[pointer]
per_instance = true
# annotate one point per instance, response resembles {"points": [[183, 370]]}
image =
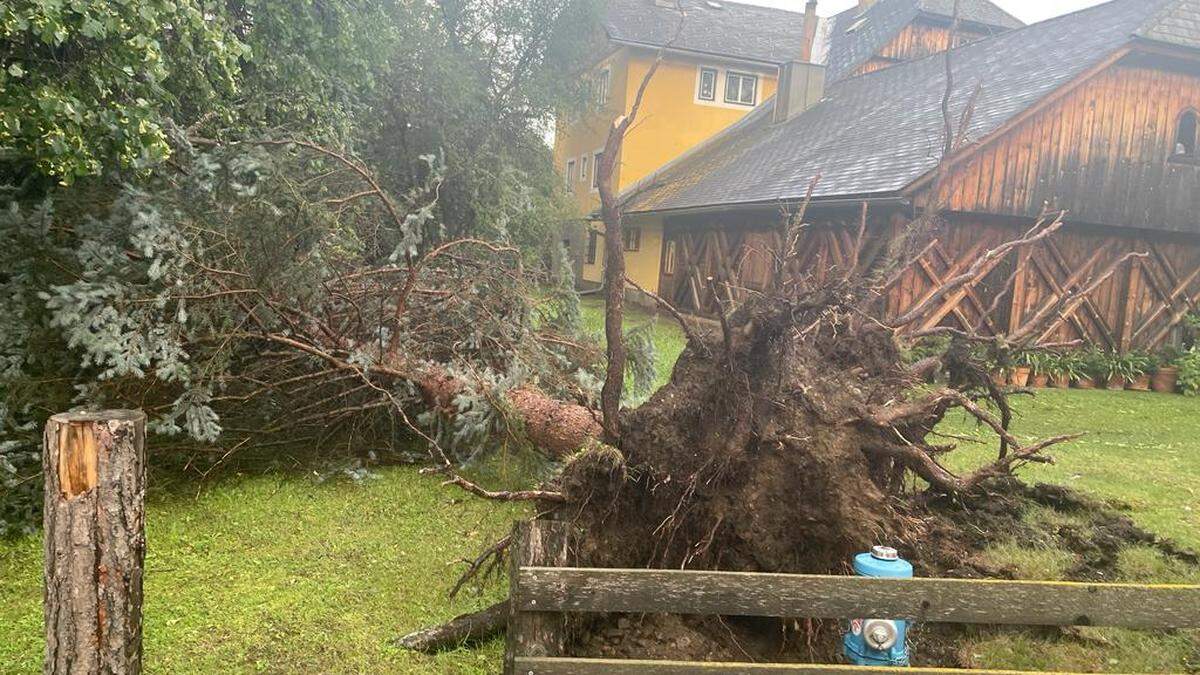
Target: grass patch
{"points": [[668, 338], [1035, 563], [285, 574]]}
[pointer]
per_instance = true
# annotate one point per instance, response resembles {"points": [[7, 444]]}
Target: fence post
{"points": [[537, 543], [95, 541]]}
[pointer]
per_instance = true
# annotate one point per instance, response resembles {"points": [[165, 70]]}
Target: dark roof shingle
{"points": [[877, 133], [710, 27]]}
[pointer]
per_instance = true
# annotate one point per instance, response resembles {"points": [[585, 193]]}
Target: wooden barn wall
{"points": [[915, 41], [1102, 152], [1141, 306]]}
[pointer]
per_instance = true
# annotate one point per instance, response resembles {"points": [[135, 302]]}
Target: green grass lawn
{"points": [[281, 572]]}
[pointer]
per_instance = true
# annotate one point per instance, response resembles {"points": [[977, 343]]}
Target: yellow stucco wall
{"points": [[640, 265], [671, 121]]}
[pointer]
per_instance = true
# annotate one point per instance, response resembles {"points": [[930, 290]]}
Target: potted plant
{"points": [[1138, 367], [1019, 376], [1189, 371], [1092, 366], [1063, 367], [1039, 368], [1114, 372], [1166, 376]]}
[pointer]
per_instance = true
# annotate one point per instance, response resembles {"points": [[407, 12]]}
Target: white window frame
{"points": [[719, 95], [716, 79], [570, 174], [741, 75], [602, 86], [583, 167], [596, 154]]}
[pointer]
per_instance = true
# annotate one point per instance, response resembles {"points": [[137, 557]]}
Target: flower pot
{"points": [[1020, 376], [1060, 382], [1142, 383], [1085, 383], [999, 378], [1165, 380], [1115, 383], [1041, 380]]}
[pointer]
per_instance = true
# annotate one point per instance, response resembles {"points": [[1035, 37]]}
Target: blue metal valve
{"points": [[878, 642]]}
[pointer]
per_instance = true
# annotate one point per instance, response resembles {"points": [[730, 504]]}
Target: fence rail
{"points": [[1026, 603], [540, 595]]}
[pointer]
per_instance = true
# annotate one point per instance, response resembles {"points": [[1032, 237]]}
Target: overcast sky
{"points": [[1025, 10]]}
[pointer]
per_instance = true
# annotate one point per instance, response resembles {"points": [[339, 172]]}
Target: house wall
{"points": [[670, 122], [642, 265], [1102, 152], [916, 41]]}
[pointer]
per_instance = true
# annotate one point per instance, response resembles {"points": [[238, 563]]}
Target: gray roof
{"points": [[1178, 23], [856, 37], [773, 35], [877, 133], [710, 27]]}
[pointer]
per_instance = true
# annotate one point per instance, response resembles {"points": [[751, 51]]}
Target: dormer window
{"points": [[1185, 136]]}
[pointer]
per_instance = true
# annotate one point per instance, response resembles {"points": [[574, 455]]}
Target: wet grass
{"points": [[282, 572]]}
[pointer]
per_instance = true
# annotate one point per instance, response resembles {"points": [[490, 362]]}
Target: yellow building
{"points": [[720, 60]]}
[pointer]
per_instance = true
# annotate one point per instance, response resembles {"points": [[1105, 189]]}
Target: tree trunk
{"points": [[95, 541]]}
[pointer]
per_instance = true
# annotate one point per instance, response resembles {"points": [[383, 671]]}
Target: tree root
{"points": [[472, 627]]}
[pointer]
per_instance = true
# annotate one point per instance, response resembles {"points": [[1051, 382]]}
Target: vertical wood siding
{"points": [[1103, 153], [1141, 306]]}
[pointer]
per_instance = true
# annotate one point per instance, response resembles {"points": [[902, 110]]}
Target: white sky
{"points": [[1028, 11]]}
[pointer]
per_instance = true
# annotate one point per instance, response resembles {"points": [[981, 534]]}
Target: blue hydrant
{"points": [[878, 642]]}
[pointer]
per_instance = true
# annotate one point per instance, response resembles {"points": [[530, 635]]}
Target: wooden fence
{"points": [[540, 595]]}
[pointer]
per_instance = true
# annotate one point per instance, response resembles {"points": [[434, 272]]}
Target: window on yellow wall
{"points": [[596, 159], [740, 88], [583, 169], [570, 177], [708, 85], [601, 86], [590, 258], [633, 239]]}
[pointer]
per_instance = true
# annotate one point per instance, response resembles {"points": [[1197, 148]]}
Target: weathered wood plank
{"points": [[1032, 603], [578, 666], [532, 632]]}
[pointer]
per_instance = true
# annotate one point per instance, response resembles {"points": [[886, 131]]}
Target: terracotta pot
{"points": [[1142, 383], [1060, 382], [1085, 383], [999, 378], [1041, 380], [1020, 376], [1165, 380], [1115, 383]]}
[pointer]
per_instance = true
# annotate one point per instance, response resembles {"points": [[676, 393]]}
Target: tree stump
{"points": [[537, 543], [95, 541]]}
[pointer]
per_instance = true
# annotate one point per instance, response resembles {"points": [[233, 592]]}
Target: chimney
{"points": [[801, 82]]}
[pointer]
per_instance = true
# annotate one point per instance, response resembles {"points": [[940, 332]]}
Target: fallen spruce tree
{"points": [[291, 298], [794, 433]]}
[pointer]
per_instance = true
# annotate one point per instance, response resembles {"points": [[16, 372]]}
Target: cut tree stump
{"points": [[536, 543], [95, 541]]}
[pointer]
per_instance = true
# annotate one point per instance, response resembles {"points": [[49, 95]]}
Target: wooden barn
{"points": [[1094, 113]]}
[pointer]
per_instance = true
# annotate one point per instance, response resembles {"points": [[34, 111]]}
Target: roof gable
{"points": [[877, 133], [856, 37]]}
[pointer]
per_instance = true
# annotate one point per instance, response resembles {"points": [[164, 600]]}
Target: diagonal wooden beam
{"points": [[972, 297]]}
